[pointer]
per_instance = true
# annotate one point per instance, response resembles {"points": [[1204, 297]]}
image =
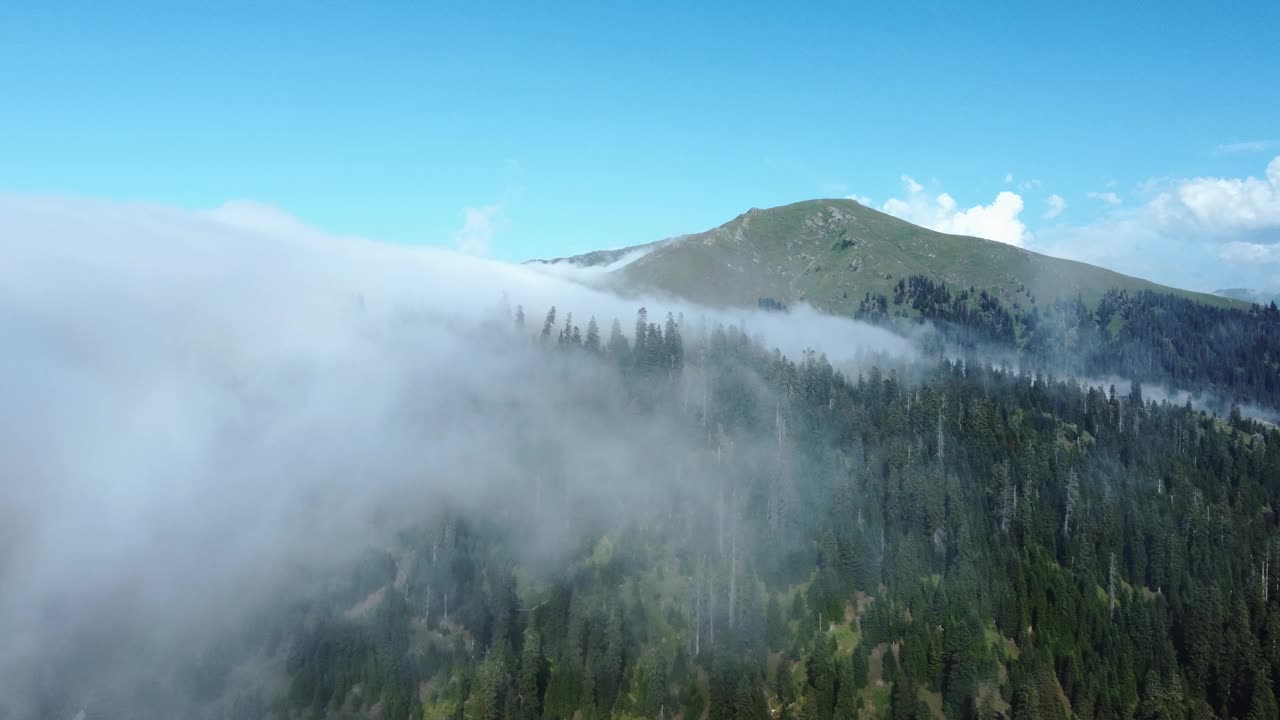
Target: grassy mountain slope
{"points": [[829, 253]]}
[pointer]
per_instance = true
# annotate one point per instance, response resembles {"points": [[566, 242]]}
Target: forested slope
{"points": [[969, 543], [1230, 354]]}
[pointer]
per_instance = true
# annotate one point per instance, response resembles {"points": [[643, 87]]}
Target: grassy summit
{"points": [[829, 253]]}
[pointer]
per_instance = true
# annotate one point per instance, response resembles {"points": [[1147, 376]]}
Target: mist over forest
{"points": [[258, 471], [639, 361]]}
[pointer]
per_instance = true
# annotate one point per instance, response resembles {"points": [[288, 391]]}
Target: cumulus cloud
{"points": [[1056, 205], [1224, 205], [997, 221], [1200, 233], [1108, 198], [479, 226]]}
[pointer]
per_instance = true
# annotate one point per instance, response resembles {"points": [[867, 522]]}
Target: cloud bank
{"points": [[203, 406]]}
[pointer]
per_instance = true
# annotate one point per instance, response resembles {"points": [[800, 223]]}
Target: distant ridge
{"points": [[1249, 295]]}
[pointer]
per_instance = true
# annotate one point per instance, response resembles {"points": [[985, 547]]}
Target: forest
{"points": [[1230, 354], [948, 540]]}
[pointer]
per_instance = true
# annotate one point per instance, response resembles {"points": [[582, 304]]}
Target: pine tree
{"points": [[617, 350], [860, 666], [1072, 500], [639, 350], [1026, 701], [588, 704], [847, 699], [566, 332], [610, 665], [775, 626], [531, 677], [482, 702], [548, 324], [903, 702], [655, 350], [749, 703], [650, 685], [822, 675], [674, 344]]}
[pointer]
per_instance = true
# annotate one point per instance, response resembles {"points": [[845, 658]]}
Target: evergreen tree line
{"points": [[974, 543], [1146, 336]]}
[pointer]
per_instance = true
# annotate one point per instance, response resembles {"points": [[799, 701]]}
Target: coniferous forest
{"points": [[1230, 354], [923, 540], [639, 361]]}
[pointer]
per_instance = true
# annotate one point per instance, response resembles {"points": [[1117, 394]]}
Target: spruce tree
{"points": [[592, 342], [548, 323]]}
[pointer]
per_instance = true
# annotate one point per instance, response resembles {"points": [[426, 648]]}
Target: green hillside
{"points": [[829, 253]]}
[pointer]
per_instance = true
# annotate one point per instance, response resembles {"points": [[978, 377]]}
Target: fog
{"points": [[203, 407], [1212, 403]]}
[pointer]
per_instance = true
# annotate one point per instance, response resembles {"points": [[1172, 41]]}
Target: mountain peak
{"points": [[831, 252]]}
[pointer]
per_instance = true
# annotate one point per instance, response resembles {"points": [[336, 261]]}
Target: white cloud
{"points": [[1008, 178], [1056, 205], [255, 217], [1109, 198], [1248, 146], [1201, 233], [998, 221], [1232, 204], [860, 199], [238, 388], [479, 226], [1249, 253]]}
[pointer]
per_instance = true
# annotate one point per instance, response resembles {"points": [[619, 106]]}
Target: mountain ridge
{"points": [[831, 252]]}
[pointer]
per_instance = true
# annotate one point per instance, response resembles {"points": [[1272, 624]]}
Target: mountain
{"points": [[830, 253], [1059, 316], [682, 522]]}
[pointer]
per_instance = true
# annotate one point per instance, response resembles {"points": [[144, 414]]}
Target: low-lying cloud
{"points": [[200, 406]]}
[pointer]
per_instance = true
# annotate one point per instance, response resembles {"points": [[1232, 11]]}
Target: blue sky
{"points": [[525, 130]]}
